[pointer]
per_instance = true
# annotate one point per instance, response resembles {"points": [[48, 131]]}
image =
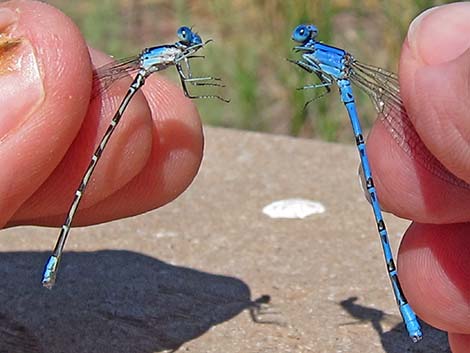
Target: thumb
{"points": [[436, 62], [40, 48]]}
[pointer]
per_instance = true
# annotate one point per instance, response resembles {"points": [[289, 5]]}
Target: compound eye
{"points": [[185, 34], [301, 33]]}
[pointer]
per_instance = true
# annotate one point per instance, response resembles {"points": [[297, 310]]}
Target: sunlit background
{"points": [[251, 43]]}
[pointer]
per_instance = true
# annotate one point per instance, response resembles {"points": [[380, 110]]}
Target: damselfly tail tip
{"points": [[411, 322], [48, 285], [50, 272], [414, 330]]}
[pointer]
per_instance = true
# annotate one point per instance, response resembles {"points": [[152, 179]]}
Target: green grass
{"points": [[251, 43]]}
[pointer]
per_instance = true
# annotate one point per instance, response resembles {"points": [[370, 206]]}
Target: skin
{"points": [[157, 148], [433, 258], [152, 157]]}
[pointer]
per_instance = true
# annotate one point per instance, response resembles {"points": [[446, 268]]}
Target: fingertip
{"points": [[174, 161], [459, 343], [438, 35], [428, 179], [435, 83], [179, 130], [411, 185], [434, 272]]}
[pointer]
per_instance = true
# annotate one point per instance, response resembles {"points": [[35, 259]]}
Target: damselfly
{"points": [[335, 66], [149, 61]]}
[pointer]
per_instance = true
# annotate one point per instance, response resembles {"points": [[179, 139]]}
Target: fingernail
{"points": [[21, 87], [440, 34]]}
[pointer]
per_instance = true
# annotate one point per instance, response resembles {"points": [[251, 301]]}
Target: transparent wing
{"points": [[106, 75], [384, 90]]}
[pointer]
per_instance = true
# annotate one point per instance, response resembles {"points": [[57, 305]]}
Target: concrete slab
{"points": [[193, 275]]}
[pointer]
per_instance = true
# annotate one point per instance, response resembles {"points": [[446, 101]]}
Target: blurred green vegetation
{"points": [[251, 43]]}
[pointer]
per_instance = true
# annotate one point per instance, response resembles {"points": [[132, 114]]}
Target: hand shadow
{"points": [[112, 302], [396, 340]]}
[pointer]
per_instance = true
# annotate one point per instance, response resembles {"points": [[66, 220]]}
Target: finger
{"points": [[36, 130], [437, 86], [435, 274], [123, 158], [173, 158], [459, 343], [174, 161], [435, 74]]}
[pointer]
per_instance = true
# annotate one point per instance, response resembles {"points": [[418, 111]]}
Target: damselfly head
{"points": [[188, 37], [303, 33]]}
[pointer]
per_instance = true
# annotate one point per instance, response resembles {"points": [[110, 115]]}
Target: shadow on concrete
{"points": [[396, 340], [112, 301]]}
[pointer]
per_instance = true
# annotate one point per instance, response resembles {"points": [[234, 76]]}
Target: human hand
{"points": [[49, 128], [433, 260]]}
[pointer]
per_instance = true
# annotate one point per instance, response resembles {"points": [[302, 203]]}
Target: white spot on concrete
{"points": [[165, 234], [293, 208]]}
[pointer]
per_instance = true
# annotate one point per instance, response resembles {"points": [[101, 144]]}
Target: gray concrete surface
{"points": [[192, 276]]}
